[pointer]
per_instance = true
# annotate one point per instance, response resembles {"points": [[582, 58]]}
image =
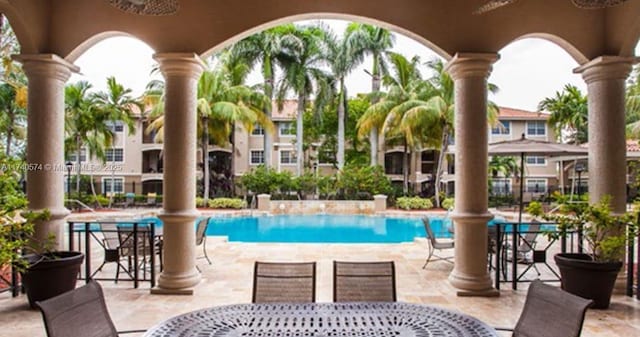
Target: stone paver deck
{"points": [[229, 280]]}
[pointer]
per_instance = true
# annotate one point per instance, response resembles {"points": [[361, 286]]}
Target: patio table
{"points": [[323, 319]]}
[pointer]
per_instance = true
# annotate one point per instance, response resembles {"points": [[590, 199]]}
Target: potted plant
{"points": [[593, 274], [45, 272]]}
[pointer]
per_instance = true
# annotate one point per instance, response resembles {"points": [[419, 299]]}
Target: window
{"points": [[536, 185], [118, 185], [536, 160], [257, 157], [287, 157], [115, 126], [287, 128], [73, 158], [258, 130], [503, 128], [536, 128], [501, 186], [115, 155]]}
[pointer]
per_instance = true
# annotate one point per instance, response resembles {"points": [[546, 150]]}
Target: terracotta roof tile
{"points": [[506, 113], [288, 111]]}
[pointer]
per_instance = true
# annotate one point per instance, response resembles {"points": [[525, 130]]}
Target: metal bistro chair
{"points": [[550, 312], [364, 281], [524, 254], [112, 250], [284, 282], [145, 241], [81, 312], [434, 244], [201, 237]]}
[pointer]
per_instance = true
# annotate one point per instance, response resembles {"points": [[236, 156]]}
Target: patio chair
{"points": [[145, 241], [526, 247], [284, 282], [550, 312], [201, 237], [492, 245], [112, 249], [434, 245], [364, 281], [79, 313], [151, 199]]}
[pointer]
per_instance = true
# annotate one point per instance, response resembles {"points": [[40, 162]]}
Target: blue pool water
{"points": [[322, 228]]}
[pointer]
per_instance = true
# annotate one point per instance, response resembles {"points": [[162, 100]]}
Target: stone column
{"points": [[264, 202], [181, 72], [47, 76], [470, 274], [605, 77]]}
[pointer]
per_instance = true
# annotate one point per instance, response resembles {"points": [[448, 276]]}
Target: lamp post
{"points": [[69, 167], [579, 169]]}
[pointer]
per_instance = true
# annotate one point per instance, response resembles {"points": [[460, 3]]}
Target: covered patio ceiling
{"points": [[68, 27]]}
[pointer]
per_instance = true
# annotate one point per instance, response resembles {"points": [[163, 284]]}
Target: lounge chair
{"points": [[284, 282], [201, 237], [550, 312], [151, 199], [77, 312], [434, 244], [364, 281]]}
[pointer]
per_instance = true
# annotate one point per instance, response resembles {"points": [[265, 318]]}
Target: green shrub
{"points": [[447, 203], [227, 203], [306, 183], [413, 203], [363, 182], [138, 198], [98, 200], [199, 202]]}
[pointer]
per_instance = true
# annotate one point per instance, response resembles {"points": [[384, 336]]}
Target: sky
{"points": [[528, 71]]}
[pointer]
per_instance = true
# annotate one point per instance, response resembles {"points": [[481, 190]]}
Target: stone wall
{"points": [[321, 206]]}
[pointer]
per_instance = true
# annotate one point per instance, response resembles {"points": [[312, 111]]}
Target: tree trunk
{"points": [[11, 114], [78, 163], [268, 137], [205, 162], [341, 109], [375, 88], [405, 169], [299, 135], [443, 152], [233, 160]]}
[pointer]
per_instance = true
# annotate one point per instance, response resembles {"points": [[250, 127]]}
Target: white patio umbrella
{"points": [[531, 147]]}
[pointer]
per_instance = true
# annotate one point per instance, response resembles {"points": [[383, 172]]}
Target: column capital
{"points": [[46, 65], [606, 68], [465, 65], [180, 64]]}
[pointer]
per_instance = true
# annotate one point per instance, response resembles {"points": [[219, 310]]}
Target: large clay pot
{"points": [[587, 278], [52, 275]]}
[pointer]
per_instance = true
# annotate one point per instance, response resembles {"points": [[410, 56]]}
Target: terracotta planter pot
{"points": [[588, 279], [52, 276]]}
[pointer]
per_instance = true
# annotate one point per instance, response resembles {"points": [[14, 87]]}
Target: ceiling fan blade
{"points": [[491, 5], [596, 4]]}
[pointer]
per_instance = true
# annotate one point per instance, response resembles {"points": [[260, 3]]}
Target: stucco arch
{"points": [[27, 44], [95, 39], [632, 40], [335, 16], [560, 42]]}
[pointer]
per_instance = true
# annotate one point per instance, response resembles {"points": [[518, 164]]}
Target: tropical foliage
{"points": [[409, 203]]}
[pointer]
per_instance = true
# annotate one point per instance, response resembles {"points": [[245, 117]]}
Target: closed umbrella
{"points": [[531, 147]]}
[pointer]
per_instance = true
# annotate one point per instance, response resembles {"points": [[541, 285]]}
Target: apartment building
{"points": [[134, 163]]}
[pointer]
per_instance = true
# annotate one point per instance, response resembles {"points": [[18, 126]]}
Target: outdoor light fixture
{"points": [[69, 166], [580, 167], [147, 7]]}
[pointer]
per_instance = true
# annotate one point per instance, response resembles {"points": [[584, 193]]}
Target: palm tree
{"points": [[506, 166], [13, 116], [118, 104], [219, 105], [569, 114], [344, 57], [86, 126], [266, 48], [375, 41], [405, 85], [304, 66]]}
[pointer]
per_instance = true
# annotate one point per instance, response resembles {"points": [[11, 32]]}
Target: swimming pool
{"points": [[324, 228]]}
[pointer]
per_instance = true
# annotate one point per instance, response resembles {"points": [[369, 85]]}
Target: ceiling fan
{"points": [[586, 4], [147, 7]]}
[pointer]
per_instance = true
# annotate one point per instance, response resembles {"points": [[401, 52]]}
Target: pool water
{"points": [[324, 228]]}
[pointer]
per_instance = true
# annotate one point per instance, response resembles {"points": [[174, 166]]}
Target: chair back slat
{"points": [[201, 230], [364, 281], [80, 312], [551, 312], [284, 282]]}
